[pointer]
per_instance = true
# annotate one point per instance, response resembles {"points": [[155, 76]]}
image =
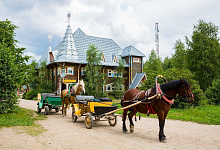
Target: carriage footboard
{"points": [[104, 109]]}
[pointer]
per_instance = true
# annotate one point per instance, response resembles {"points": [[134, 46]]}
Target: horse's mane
{"points": [[171, 85], [75, 87]]}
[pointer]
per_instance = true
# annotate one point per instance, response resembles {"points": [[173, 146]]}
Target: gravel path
{"points": [[63, 134]]}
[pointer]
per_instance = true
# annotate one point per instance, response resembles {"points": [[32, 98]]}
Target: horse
{"points": [[158, 105], [69, 98]]}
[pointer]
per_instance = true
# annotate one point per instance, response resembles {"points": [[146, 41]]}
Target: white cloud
{"points": [[127, 22]]}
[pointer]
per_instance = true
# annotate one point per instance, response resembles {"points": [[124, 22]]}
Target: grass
{"points": [[23, 117], [209, 114]]}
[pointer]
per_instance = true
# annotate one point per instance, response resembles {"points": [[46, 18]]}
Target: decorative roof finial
{"points": [[50, 38], [68, 17]]}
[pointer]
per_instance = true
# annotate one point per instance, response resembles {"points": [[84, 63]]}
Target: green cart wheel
{"points": [[38, 109], [47, 110], [88, 121]]}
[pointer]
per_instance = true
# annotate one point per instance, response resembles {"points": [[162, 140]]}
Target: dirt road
{"points": [[63, 134]]}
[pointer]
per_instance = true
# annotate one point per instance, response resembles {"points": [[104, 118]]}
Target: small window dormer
{"points": [[114, 58], [103, 57]]}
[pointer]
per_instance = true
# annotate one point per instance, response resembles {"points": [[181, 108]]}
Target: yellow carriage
{"points": [[93, 110]]}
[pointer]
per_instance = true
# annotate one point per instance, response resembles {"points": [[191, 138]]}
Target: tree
{"points": [[213, 92], [153, 64], [45, 84], [12, 66], [94, 80], [167, 63], [176, 74], [119, 80], [179, 59], [152, 68], [203, 53]]}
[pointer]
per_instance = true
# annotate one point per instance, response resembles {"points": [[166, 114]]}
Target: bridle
{"points": [[186, 95]]}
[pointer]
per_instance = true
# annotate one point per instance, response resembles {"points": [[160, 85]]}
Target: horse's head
{"points": [[81, 87], [185, 91]]}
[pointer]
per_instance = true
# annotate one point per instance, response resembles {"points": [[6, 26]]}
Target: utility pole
{"points": [[157, 38]]}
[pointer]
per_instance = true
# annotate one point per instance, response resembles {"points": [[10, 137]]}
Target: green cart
{"points": [[49, 101]]}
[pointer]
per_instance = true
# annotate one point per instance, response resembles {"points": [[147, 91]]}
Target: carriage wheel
{"points": [[112, 121], [38, 109], [57, 109], [46, 110], [88, 121], [74, 117]]}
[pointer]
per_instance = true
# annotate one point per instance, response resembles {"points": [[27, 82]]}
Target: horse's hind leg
{"points": [[125, 111], [63, 108], [130, 116], [161, 118]]}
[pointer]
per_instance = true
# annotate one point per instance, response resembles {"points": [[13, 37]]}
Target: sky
{"points": [[127, 22]]}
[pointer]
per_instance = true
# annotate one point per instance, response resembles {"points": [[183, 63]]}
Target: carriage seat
{"points": [[44, 95], [105, 99]]}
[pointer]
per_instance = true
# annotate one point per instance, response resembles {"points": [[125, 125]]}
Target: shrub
{"points": [[213, 92], [31, 94]]}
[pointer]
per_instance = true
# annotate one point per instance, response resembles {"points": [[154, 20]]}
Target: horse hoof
{"points": [[131, 129], [125, 130], [162, 139]]}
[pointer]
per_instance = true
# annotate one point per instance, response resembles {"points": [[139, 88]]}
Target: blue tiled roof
{"points": [[136, 80], [131, 51], [73, 49]]}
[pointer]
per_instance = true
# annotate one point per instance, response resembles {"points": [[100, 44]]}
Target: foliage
{"points": [[179, 59], [119, 80], [213, 92], [176, 74], [31, 76], [45, 84], [12, 66], [152, 68], [31, 94], [94, 80], [167, 63], [203, 53], [153, 64]]}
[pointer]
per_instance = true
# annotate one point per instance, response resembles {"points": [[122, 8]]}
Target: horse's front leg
{"points": [[124, 115], [161, 118], [130, 116]]}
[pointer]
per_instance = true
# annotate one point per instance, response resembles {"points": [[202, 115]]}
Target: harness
{"points": [[68, 93]]}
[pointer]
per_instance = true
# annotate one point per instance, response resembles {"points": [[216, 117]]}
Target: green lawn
{"points": [[25, 118], [209, 114], [20, 117]]}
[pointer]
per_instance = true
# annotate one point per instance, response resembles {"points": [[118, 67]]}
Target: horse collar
{"points": [[159, 91]]}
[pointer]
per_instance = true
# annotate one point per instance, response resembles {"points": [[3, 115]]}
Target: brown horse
{"points": [[69, 98], [159, 106]]}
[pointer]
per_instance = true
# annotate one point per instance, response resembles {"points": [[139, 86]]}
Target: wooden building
{"points": [[67, 60]]}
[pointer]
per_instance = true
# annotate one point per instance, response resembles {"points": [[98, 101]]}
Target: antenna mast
{"points": [[68, 17], [157, 39]]}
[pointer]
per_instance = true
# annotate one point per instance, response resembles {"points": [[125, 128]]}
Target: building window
{"points": [[108, 87], [110, 73], [115, 73], [83, 71], [70, 70], [63, 70], [136, 60]]}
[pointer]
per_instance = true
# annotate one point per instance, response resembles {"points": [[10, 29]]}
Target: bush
{"points": [[213, 92], [31, 94], [116, 95], [101, 95]]}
